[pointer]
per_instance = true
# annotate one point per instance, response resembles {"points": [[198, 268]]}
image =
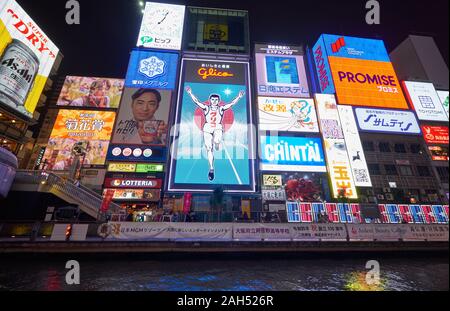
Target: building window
{"points": [[400, 148], [391, 170], [416, 148], [374, 169], [423, 171], [443, 173], [406, 170], [385, 147], [368, 146]]}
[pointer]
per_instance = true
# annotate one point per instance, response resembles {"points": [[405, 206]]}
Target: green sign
{"points": [[149, 168]]}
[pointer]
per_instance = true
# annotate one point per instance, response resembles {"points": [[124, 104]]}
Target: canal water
{"points": [[283, 273]]}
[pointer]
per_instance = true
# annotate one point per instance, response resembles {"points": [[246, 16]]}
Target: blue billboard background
{"points": [[358, 48], [156, 70], [323, 70], [232, 163], [277, 151]]}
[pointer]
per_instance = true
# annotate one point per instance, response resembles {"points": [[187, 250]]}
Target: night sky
{"points": [[100, 46]]}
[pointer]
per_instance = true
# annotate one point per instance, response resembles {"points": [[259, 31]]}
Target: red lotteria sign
{"points": [[435, 134], [133, 183]]}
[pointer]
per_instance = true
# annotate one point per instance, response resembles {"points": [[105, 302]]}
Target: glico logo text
{"points": [[205, 73], [364, 78]]}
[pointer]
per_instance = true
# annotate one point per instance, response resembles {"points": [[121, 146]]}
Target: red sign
{"points": [[187, 203], [131, 183], [107, 199], [435, 134]]}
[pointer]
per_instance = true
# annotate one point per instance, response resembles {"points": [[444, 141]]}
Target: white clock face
{"points": [[162, 26]]}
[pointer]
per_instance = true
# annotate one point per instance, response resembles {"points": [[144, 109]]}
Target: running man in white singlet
{"points": [[213, 128]]}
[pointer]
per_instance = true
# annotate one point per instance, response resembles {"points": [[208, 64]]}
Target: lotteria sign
{"points": [[292, 154], [154, 70], [133, 183], [387, 121]]}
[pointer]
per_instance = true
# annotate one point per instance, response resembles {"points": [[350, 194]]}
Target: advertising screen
{"points": [[439, 153], [27, 57], [357, 48], [91, 92], [148, 195], [132, 183], [287, 114], [387, 121], [136, 153], [443, 96], [366, 83], [292, 154], [281, 71], [162, 26], [323, 69], [213, 144], [338, 162], [154, 70], [425, 100], [435, 134], [354, 147], [74, 130], [142, 118]]}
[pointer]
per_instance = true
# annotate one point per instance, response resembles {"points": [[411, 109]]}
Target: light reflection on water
{"points": [[398, 274]]}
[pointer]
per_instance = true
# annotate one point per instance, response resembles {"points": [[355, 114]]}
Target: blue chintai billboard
{"points": [[154, 70], [213, 143], [292, 154]]}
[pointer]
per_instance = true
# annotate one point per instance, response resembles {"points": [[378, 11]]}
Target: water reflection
{"points": [[226, 275]]}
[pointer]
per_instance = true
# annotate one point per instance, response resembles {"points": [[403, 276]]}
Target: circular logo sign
{"points": [[148, 153], [116, 183], [137, 152], [116, 151], [127, 152]]}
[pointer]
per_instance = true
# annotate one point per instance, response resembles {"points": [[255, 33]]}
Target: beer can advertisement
{"points": [[91, 92], [292, 154], [287, 115], [83, 132], [425, 101], [366, 83], [162, 26], [26, 54], [435, 134], [142, 118], [280, 71], [154, 70], [214, 142]]}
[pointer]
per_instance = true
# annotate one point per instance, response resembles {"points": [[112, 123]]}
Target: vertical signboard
{"points": [[425, 101], [443, 96], [162, 26], [335, 148], [281, 71], [354, 147], [213, 144], [323, 67], [27, 57]]}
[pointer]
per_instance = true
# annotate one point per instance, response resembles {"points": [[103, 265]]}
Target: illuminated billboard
{"points": [[387, 121], [79, 129], [213, 144], [443, 96], [292, 154], [355, 149], [91, 92], [435, 134], [142, 118], [356, 48], [425, 100], [336, 153], [119, 167], [154, 70], [366, 83], [132, 183], [323, 69], [287, 114], [280, 71], [27, 57], [439, 153], [148, 195], [162, 26]]}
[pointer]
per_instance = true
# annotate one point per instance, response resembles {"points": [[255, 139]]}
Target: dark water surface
{"points": [[284, 273]]}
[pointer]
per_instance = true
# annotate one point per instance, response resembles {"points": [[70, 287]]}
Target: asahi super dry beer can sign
{"points": [[27, 57]]}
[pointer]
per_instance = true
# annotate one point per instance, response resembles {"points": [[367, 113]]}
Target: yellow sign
{"points": [[246, 208], [122, 167], [215, 32], [273, 180]]}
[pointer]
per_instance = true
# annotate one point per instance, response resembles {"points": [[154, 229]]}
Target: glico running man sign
{"points": [[213, 143]]}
